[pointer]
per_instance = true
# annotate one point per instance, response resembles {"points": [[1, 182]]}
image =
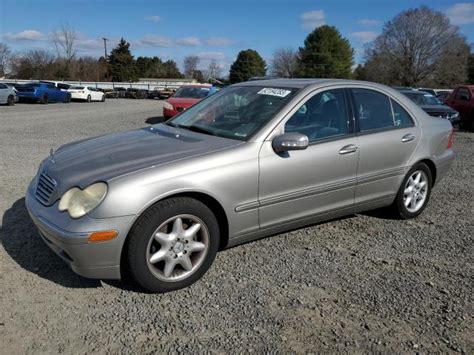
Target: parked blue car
{"points": [[42, 92]]}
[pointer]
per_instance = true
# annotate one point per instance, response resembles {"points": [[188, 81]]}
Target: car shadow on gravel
{"points": [[155, 120], [21, 241]]}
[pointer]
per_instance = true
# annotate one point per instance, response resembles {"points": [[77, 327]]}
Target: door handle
{"points": [[347, 149], [408, 138]]}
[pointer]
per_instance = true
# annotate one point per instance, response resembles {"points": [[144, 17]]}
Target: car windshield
{"points": [[236, 112], [423, 98], [192, 92]]}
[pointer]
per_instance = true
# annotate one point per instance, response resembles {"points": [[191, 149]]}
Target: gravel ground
{"points": [[355, 285]]}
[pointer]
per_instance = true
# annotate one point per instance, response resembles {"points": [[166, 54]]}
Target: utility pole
{"points": [[106, 61], [105, 46]]}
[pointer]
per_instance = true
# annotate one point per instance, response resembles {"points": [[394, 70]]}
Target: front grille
{"points": [[438, 114], [45, 188]]}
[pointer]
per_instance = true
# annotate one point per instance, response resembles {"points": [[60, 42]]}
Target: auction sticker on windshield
{"points": [[274, 92]]}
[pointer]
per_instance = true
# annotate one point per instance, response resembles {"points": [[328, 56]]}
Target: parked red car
{"points": [[462, 100], [185, 97]]}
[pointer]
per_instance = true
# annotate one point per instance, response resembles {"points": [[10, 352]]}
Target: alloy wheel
{"points": [[177, 248], [416, 191]]}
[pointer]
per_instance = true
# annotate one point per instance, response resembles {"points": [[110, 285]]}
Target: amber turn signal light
{"points": [[102, 236]]}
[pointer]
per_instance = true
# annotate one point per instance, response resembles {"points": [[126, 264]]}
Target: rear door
{"points": [[388, 137]]}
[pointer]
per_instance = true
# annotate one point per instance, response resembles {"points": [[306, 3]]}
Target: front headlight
{"points": [[167, 106], [79, 202]]}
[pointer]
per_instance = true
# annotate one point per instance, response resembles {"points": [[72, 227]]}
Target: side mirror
{"points": [[290, 141]]}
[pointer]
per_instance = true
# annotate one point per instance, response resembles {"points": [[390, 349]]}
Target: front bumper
{"points": [[68, 238]]}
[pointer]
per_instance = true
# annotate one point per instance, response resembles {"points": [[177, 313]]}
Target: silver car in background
{"points": [[7, 94], [255, 159]]}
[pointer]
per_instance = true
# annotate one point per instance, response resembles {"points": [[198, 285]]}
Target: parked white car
{"points": [[7, 95], [86, 93]]}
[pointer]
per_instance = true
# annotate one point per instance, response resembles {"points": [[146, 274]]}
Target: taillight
{"points": [[450, 140]]}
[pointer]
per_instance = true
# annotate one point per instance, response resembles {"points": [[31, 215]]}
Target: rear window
{"points": [[192, 92]]}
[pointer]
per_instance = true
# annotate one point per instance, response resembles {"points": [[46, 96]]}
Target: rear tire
{"points": [[67, 99], [103, 98], [44, 99], [89, 98], [171, 245], [10, 100], [413, 195]]}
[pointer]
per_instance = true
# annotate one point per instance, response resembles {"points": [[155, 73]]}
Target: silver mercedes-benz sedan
{"points": [[255, 159]]}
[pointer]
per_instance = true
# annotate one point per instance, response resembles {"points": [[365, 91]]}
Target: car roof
{"points": [[298, 83], [196, 86]]}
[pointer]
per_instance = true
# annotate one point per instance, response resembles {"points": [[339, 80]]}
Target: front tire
{"points": [[414, 192], [10, 100], [172, 245], [44, 99], [89, 98], [103, 98]]}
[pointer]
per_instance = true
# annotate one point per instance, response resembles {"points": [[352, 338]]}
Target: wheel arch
{"points": [[208, 200], [432, 166]]}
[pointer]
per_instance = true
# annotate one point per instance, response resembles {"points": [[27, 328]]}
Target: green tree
{"points": [[248, 64], [360, 72], [326, 54], [121, 63]]}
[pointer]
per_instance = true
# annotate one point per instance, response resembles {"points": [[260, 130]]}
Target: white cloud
{"points": [[219, 41], [364, 36], [188, 41], [368, 22], [154, 18], [312, 19], [156, 41], [211, 56], [26, 35], [461, 13]]}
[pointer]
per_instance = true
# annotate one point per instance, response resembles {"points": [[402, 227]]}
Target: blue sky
{"points": [[211, 29]]}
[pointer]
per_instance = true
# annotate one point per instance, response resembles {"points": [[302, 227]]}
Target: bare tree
{"points": [[5, 58], [190, 65], [284, 63], [64, 41], [34, 64], [418, 47], [213, 71]]}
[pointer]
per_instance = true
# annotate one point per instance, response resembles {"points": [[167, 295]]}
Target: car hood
{"points": [[438, 110], [106, 157], [182, 102]]}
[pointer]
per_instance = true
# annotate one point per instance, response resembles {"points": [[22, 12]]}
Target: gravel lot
{"points": [[359, 284]]}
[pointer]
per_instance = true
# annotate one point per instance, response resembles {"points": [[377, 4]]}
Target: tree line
{"points": [[418, 47]]}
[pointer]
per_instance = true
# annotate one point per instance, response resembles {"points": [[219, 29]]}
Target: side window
{"points": [[373, 110], [401, 117], [462, 94], [2, 86], [323, 116]]}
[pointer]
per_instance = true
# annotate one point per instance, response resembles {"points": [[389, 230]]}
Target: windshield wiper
{"points": [[197, 129]]}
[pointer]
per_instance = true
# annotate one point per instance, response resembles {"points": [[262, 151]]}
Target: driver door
{"points": [[303, 184]]}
